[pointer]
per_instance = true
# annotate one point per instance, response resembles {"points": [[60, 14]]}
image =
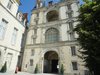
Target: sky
{"points": [[27, 5]]}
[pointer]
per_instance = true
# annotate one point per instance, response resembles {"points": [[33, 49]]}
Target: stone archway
{"points": [[51, 62], [52, 15]]}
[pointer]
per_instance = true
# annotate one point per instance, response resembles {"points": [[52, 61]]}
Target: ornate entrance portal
{"points": [[51, 62]]}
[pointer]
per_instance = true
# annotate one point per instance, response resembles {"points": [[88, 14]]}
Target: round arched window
{"points": [[52, 16], [52, 35]]}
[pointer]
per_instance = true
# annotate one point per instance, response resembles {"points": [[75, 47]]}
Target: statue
{"points": [[39, 3]]}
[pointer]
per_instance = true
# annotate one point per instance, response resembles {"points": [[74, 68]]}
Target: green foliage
{"points": [[89, 34], [36, 69], [4, 68], [62, 70]]}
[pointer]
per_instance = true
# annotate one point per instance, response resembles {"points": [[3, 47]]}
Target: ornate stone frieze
{"points": [[48, 45], [57, 5], [70, 11], [36, 19], [57, 23], [34, 36]]}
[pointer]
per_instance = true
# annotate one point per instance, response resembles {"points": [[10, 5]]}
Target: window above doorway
{"points": [[52, 35]]}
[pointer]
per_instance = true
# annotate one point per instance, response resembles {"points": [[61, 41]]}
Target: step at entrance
{"points": [[46, 74]]}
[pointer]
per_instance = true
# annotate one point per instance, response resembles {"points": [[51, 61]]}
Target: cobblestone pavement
{"points": [[24, 73]]}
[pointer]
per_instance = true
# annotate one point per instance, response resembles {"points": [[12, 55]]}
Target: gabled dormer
{"points": [[22, 17]]}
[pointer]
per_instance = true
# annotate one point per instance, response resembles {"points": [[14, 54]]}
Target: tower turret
{"points": [[39, 3]]}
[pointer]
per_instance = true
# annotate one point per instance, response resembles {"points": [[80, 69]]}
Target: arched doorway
{"points": [[51, 62]]}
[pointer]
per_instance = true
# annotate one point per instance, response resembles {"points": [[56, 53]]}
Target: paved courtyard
{"points": [[24, 73]]}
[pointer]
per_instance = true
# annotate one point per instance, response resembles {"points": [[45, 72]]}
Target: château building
{"points": [[12, 27], [51, 44]]}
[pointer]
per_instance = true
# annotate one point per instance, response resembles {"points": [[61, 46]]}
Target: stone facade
{"points": [[51, 41], [11, 30]]}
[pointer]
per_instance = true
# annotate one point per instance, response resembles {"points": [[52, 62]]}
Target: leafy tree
{"points": [[4, 68], [89, 34]]}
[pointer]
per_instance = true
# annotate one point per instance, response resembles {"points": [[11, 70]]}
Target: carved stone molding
{"points": [[34, 36], [54, 23], [57, 5], [50, 45]]}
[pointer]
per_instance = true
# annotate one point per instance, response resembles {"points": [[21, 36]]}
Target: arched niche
{"points": [[52, 15]]}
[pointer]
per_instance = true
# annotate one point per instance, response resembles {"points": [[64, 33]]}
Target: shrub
{"points": [[62, 70], [36, 69], [4, 68]]}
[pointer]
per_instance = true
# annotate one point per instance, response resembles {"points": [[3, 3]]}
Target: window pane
{"points": [[14, 36], [9, 4], [73, 51], [31, 62], [2, 28], [32, 52], [52, 35], [74, 65], [72, 37]]}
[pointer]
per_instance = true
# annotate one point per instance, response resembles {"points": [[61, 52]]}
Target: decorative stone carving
{"points": [[70, 20], [62, 46], [34, 36], [36, 19], [35, 27], [69, 11]]}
